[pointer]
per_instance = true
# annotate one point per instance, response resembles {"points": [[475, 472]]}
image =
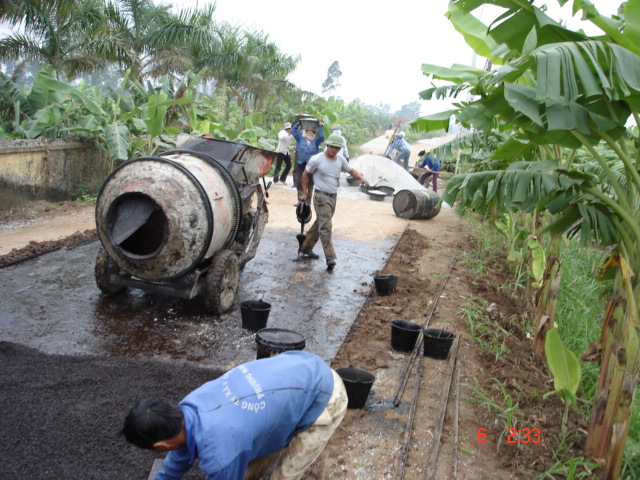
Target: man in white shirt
{"points": [[284, 143], [325, 167]]}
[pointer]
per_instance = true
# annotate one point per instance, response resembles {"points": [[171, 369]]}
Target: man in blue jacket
{"points": [[307, 146], [283, 409], [432, 168]]}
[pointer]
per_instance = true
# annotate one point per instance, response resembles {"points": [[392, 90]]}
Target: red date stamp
{"points": [[524, 435]]}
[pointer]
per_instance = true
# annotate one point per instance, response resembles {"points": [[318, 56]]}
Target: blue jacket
{"points": [[306, 151], [431, 162], [250, 412]]}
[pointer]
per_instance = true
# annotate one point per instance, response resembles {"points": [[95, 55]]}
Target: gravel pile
{"points": [[380, 170], [62, 414]]}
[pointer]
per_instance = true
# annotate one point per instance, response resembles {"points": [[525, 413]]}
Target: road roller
{"points": [[184, 222]]}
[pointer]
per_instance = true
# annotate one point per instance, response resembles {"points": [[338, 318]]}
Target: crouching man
{"points": [[282, 409]]}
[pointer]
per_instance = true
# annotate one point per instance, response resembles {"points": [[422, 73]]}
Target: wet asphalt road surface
{"points": [[52, 303]]}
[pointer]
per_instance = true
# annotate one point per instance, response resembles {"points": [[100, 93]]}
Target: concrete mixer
{"points": [[183, 223]]}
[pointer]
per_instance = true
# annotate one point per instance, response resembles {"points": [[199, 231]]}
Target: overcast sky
{"points": [[380, 45]]}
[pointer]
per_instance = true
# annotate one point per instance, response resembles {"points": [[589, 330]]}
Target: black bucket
{"points": [[377, 195], [437, 343], [272, 341], [418, 204], [254, 314], [358, 384], [404, 335], [352, 181], [385, 284], [310, 123]]}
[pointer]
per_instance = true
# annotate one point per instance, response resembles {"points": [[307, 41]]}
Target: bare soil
{"points": [[373, 442]]}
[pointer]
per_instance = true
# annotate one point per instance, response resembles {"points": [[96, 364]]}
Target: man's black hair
{"points": [[150, 421]]}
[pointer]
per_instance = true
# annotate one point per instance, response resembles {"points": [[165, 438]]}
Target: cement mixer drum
{"points": [[183, 222]]}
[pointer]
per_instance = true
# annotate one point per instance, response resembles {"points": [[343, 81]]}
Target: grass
{"points": [[580, 311], [504, 410], [483, 330], [85, 196], [489, 247], [581, 308], [568, 467]]}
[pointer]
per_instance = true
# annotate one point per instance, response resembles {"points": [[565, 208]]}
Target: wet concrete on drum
{"points": [[52, 303]]}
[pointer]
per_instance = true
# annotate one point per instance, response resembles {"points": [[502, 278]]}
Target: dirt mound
{"points": [[33, 249]]}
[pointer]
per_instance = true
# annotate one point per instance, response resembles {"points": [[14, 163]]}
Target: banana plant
{"points": [[56, 105], [559, 89], [566, 370]]}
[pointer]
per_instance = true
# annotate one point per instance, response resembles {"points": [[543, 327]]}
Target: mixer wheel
{"points": [[221, 282], [105, 266]]}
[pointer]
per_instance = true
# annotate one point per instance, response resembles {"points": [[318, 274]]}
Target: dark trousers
{"points": [[423, 179], [286, 158]]}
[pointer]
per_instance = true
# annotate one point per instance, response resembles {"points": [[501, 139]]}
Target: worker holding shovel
{"points": [[403, 149], [325, 168]]}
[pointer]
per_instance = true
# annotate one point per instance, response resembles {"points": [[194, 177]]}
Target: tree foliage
{"points": [[333, 78], [554, 92]]}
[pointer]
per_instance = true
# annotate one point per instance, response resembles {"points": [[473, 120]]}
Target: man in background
{"points": [[431, 164], [283, 156], [307, 145], [400, 145]]}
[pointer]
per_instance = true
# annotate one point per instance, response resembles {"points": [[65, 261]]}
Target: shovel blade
{"points": [[301, 238]]}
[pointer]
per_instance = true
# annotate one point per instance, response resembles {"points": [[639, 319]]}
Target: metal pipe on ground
{"points": [[456, 421], [432, 462], [409, 426], [418, 346]]}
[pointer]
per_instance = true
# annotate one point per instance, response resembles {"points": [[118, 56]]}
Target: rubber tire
{"points": [[221, 282], [105, 266]]}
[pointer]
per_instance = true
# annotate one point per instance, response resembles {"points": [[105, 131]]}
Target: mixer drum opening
{"points": [[137, 225]]}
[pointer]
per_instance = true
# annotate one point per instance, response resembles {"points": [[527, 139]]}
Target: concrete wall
{"points": [[49, 169]]}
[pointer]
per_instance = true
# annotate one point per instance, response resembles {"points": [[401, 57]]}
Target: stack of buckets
{"points": [[270, 341], [436, 342]]}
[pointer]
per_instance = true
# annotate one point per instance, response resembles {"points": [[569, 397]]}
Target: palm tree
{"points": [[246, 66], [150, 41], [56, 32]]}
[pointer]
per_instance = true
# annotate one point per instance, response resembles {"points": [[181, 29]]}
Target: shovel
{"points": [[301, 238], [303, 214], [372, 187], [380, 179]]}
